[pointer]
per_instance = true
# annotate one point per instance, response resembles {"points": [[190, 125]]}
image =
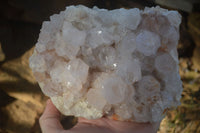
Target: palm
{"points": [[112, 126], [50, 123]]}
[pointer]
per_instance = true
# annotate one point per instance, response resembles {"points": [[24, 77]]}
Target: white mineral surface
{"points": [[120, 64]]}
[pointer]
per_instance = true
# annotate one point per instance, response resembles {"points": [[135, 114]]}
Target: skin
{"points": [[50, 123]]}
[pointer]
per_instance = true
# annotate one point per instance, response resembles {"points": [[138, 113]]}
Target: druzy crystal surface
{"points": [[120, 64]]}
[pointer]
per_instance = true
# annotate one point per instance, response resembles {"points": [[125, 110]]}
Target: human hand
{"points": [[50, 123]]}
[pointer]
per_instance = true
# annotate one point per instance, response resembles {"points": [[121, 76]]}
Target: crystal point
{"points": [[119, 64]]}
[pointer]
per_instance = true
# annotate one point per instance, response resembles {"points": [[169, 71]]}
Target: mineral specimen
{"points": [[122, 63]]}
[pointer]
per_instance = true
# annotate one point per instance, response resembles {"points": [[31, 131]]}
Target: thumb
{"points": [[50, 119]]}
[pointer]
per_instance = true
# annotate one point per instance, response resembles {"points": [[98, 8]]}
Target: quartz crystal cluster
{"points": [[121, 64]]}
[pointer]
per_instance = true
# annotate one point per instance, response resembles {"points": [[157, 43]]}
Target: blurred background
{"points": [[21, 100]]}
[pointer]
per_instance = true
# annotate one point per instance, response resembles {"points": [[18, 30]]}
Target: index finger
{"points": [[50, 119]]}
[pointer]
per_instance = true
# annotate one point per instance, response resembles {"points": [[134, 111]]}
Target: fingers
{"points": [[130, 127], [50, 119], [87, 128], [122, 126]]}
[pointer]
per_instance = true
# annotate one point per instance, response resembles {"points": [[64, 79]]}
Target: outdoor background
{"points": [[21, 100]]}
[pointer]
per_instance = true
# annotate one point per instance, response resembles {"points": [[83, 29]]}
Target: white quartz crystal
{"points": [[147, 42], [120, 64]]}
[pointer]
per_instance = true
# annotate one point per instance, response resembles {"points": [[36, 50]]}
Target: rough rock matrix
{"points": [[121, 64]]}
